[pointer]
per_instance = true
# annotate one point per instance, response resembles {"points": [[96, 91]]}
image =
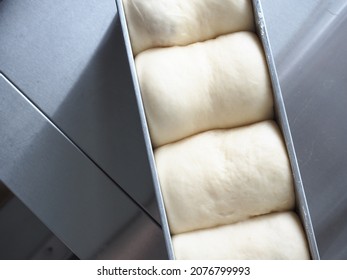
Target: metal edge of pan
{"points": [[160, 201], [301, 202]]}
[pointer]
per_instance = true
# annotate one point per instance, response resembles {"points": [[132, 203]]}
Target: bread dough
{"points": [[276, 236], [220, 83], [224, 176], [163, 23]]}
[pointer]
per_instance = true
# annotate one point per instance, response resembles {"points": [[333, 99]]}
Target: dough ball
{"points": [[163, 23], [220, 83], [224, 176], [277, 236]]}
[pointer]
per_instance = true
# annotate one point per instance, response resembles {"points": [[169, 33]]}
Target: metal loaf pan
{"points": [[281, 118]]}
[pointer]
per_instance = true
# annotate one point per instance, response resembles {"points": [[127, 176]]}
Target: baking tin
{"points": [[281, 118]]}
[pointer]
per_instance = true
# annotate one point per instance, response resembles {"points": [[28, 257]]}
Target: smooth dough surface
{"points": [[219, 83], [224, 176], [163, 23], [270, 237]]}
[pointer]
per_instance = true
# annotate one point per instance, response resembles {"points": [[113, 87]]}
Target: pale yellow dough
{"points": [[276, 236], [224, 176], [220, 83], [162, 23]]}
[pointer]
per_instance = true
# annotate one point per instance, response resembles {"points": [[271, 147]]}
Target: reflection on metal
{"points": [[281, 115], [138, 240], [60, 185], [69, 58], [311, 61], [23, 235], [140, 107]]}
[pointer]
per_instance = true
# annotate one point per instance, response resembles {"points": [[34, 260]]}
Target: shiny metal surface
{"points": [[309, 42], [281, 118], [149, 148], [69, 59], [66, 190], [23, 236]]}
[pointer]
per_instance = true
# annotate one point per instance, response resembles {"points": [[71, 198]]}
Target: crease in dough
{"points": [[220, 83], [276, 236], [225, 176], [164, 23]]}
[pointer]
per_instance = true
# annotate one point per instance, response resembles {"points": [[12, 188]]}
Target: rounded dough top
{"points": [[163, 23], [277, 236], [225, 176], [220, 83]]}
